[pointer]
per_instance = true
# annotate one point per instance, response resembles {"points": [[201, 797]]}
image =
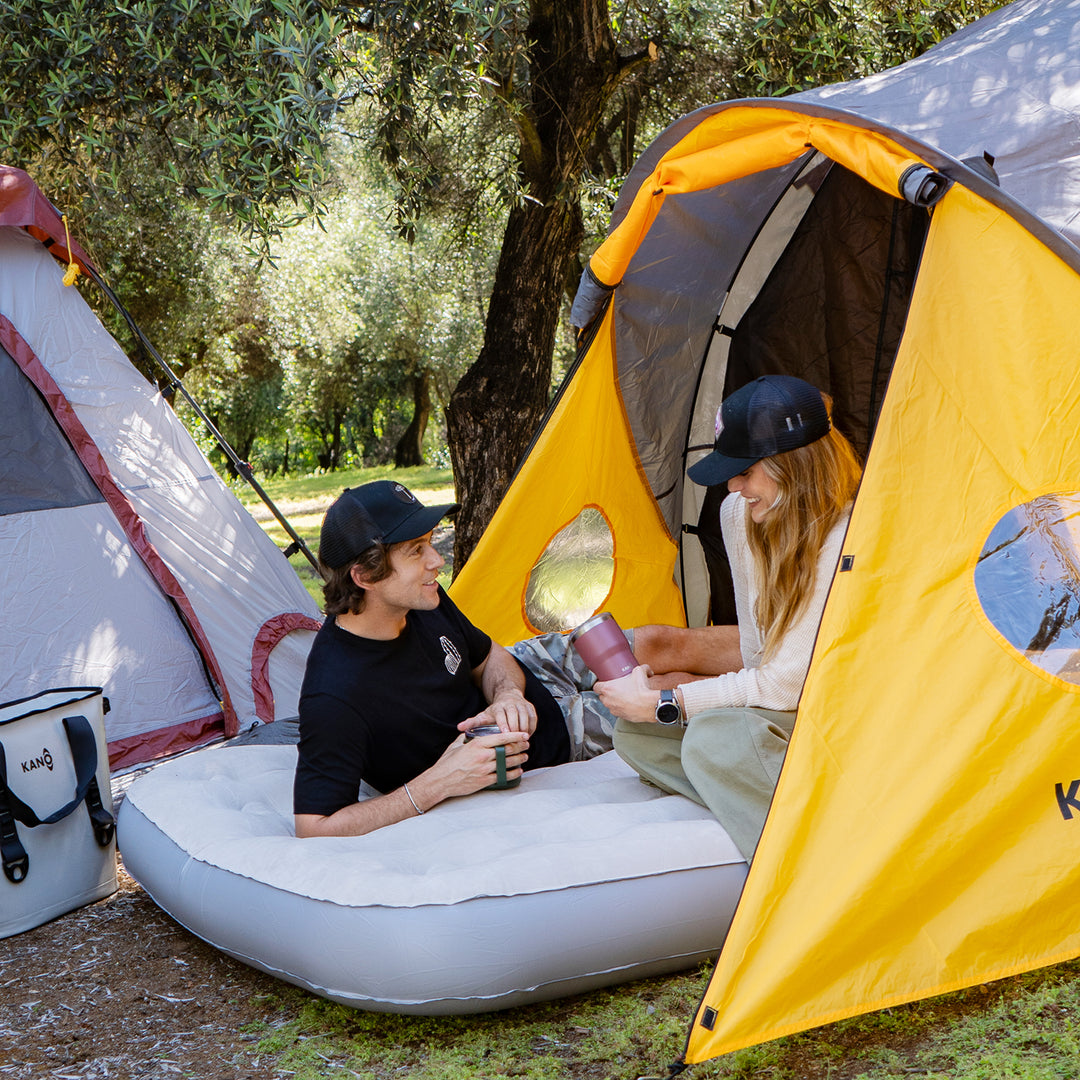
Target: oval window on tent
{"points": [[573, 577], [1028, 582]]}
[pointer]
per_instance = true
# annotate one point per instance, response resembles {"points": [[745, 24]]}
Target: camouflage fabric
{"points": [[558, 666]]}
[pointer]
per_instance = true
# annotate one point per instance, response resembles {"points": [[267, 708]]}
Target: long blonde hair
{"points": [[816, 484]]}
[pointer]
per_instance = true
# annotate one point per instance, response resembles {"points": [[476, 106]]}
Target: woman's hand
{"points": [[630, 697]]}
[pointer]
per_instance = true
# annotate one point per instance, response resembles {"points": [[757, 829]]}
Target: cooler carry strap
{"points": [[84, 756], [16, 861]]}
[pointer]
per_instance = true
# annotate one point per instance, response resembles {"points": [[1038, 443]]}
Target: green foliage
{"points": [[792, 45], [189, 283], [238, 380], [482, 64], [618, 1032], [160, 126], [229, 99], [307, 361], [358, 315], [428, 60]]}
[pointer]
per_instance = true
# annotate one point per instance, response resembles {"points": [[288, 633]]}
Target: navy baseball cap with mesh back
{"points": [[768, 416], [382, 512]]}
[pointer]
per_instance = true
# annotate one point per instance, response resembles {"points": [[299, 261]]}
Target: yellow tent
{"points": [[923, 835], [587, 479], [919, 841]]}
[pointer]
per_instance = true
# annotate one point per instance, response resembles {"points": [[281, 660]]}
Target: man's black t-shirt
{"points": [[384, 711]]}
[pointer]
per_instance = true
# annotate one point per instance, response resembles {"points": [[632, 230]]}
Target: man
{"points": [[397, 675]]}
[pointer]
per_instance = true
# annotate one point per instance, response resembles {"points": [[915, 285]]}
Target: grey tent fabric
{"points": [[837, 297], [175, 601], [667, 303], [831, 311], [1008, 84]]}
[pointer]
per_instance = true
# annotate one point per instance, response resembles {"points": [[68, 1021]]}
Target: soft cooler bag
{"points": [[57, 838]]}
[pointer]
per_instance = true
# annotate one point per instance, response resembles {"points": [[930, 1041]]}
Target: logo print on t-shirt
{"points": [[453, 657]]}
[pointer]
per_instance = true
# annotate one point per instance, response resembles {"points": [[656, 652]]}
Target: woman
{"points": [[721, 740]]}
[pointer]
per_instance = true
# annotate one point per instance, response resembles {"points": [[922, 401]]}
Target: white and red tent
{"points": [[126, 562]]}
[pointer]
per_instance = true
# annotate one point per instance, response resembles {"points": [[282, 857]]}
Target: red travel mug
{"points": [[603, 646]]}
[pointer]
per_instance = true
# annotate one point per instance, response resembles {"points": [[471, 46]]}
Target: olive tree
{"points": [[523, 103], [791, 45], [538, 76], [229, 99], [373, 330]]}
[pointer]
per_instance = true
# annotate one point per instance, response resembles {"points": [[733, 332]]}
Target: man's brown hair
{"points": [[341, 594]]}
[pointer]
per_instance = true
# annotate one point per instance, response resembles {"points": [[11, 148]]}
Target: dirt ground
{"points": [[119, 991]]}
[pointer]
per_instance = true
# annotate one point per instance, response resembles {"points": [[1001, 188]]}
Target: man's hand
{"points": [[510, 711], [465, 767], [631, 697], [503, 683]]}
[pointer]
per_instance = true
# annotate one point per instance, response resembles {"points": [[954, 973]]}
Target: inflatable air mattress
{"points": [[581, 877]]}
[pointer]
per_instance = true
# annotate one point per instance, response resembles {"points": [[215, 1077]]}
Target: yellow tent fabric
{"points": [[735, 143], [917, 842], [584, 458]]}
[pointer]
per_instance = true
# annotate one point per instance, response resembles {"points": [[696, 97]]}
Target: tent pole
{"points": [[243, 468]]}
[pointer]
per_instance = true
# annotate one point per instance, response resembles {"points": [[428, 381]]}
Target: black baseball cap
{"points": [[382, 512], [768, 416]]}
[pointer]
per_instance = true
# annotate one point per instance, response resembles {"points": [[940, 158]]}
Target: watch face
{"points": [[667, 711]]}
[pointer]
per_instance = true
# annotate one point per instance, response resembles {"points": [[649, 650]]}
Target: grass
{"points": [[1023, 1028], [303, 501], [329, 485]]}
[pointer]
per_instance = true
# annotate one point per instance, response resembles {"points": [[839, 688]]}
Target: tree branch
{"points": [[629, 64]]}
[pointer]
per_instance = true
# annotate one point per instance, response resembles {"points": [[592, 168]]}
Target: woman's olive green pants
{"points": [[727, 760]]}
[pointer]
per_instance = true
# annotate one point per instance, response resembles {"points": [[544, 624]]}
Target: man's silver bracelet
{"points": [[412, 800]]}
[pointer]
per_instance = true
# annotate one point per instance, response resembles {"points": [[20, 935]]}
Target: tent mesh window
{"points": [[38, 467], [573, 577], [832, 312], [1028, 582]]}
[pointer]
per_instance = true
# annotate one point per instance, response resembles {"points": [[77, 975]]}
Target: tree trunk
{"points": [[496, 407], [335, 444], [499, 402], [410, 447]]}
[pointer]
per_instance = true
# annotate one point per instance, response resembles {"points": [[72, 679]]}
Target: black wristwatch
{"points": [[668, 710]]}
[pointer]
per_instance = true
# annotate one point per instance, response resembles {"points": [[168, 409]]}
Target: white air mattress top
{"points": [[575, 825]]}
